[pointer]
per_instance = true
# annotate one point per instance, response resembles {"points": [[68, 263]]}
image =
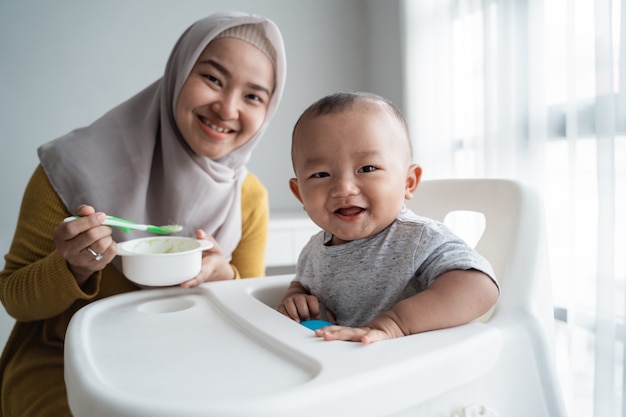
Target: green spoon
{"points": [[127, 225]]}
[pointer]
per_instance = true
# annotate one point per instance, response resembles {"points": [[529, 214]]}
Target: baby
{"points": [[380, 270]]}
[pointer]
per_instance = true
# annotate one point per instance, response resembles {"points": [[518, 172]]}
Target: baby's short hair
{"points": [[342, 101], [338, 102]]}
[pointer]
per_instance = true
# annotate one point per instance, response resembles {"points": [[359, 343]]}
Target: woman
{"points": [[173, 154]]}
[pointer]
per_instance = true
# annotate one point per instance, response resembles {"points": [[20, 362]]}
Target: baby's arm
{"points": [[454, 298], [299, 304]]}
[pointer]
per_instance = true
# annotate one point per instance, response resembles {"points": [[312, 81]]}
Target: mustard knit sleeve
{"points": [[248, 258], [36, 283]]}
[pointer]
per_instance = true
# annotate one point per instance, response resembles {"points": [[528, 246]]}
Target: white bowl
{"points": [[162, 260]]}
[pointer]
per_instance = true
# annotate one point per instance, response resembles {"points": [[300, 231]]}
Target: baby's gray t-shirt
{"points": [[360, 279]]}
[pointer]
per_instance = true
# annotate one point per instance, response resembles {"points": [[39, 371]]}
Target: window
{"points": [[536, 90]]}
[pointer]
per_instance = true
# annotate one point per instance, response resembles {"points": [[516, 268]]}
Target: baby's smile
{"points": [[349, 212]]}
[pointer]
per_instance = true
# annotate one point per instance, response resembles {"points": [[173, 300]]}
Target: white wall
{"points": [[65, 62]]}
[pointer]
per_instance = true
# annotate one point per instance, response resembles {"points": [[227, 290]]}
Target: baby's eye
{"points": [[368, 168], [320, 175]]}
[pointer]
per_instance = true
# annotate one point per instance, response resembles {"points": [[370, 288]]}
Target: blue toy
{"points": [[316, 324]]}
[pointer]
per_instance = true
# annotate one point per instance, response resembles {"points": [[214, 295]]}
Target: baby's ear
{"points": [[295, 189], [413, 178]]}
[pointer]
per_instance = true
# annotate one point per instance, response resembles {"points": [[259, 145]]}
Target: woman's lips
{"points": [[213, 126]]}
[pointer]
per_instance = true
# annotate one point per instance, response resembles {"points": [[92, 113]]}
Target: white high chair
{"points": [[514, 242], [223, 350]]}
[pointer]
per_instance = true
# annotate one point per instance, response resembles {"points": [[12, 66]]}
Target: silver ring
{"points": [[97, 256]]}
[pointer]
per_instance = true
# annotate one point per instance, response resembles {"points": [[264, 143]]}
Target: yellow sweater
{"points": [[38, 290]]}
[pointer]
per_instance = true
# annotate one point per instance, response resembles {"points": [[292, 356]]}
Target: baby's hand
{"points": [[300, 306], [364, 335], [382, 327]]}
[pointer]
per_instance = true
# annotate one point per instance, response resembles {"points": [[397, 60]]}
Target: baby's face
{"points": [[352, 171]]}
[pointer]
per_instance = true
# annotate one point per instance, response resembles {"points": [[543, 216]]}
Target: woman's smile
{"points": [[214, 126]]}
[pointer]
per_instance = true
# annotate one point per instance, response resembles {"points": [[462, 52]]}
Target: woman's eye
{"points": [[367, 168], [320, 175], [213, 79], [254, 97]]}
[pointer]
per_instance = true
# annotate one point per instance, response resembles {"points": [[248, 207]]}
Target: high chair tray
{"points": [[222, 349]]}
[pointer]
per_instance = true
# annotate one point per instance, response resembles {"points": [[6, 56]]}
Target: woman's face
{"points": [[224, 101]]}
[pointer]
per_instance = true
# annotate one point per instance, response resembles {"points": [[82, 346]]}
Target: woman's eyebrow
{"points": [[215, 64], [225, 72]]}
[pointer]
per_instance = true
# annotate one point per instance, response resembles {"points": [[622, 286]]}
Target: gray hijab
{"points": [[133, 162]]}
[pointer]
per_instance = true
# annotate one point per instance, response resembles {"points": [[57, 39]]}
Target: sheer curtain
{"points": [[536, 90]]}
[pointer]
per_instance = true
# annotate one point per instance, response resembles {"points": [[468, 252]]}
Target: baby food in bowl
{"points": [[162, 260]]}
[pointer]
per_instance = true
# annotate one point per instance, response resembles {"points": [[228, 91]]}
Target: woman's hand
{"points": [[85, 243], [215, 267]]}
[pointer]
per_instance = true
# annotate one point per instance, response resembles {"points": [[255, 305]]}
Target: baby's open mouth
{"points": [[350, 211]]}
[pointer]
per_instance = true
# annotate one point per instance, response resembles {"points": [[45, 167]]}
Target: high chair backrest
{"points": [[513, 239]]}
